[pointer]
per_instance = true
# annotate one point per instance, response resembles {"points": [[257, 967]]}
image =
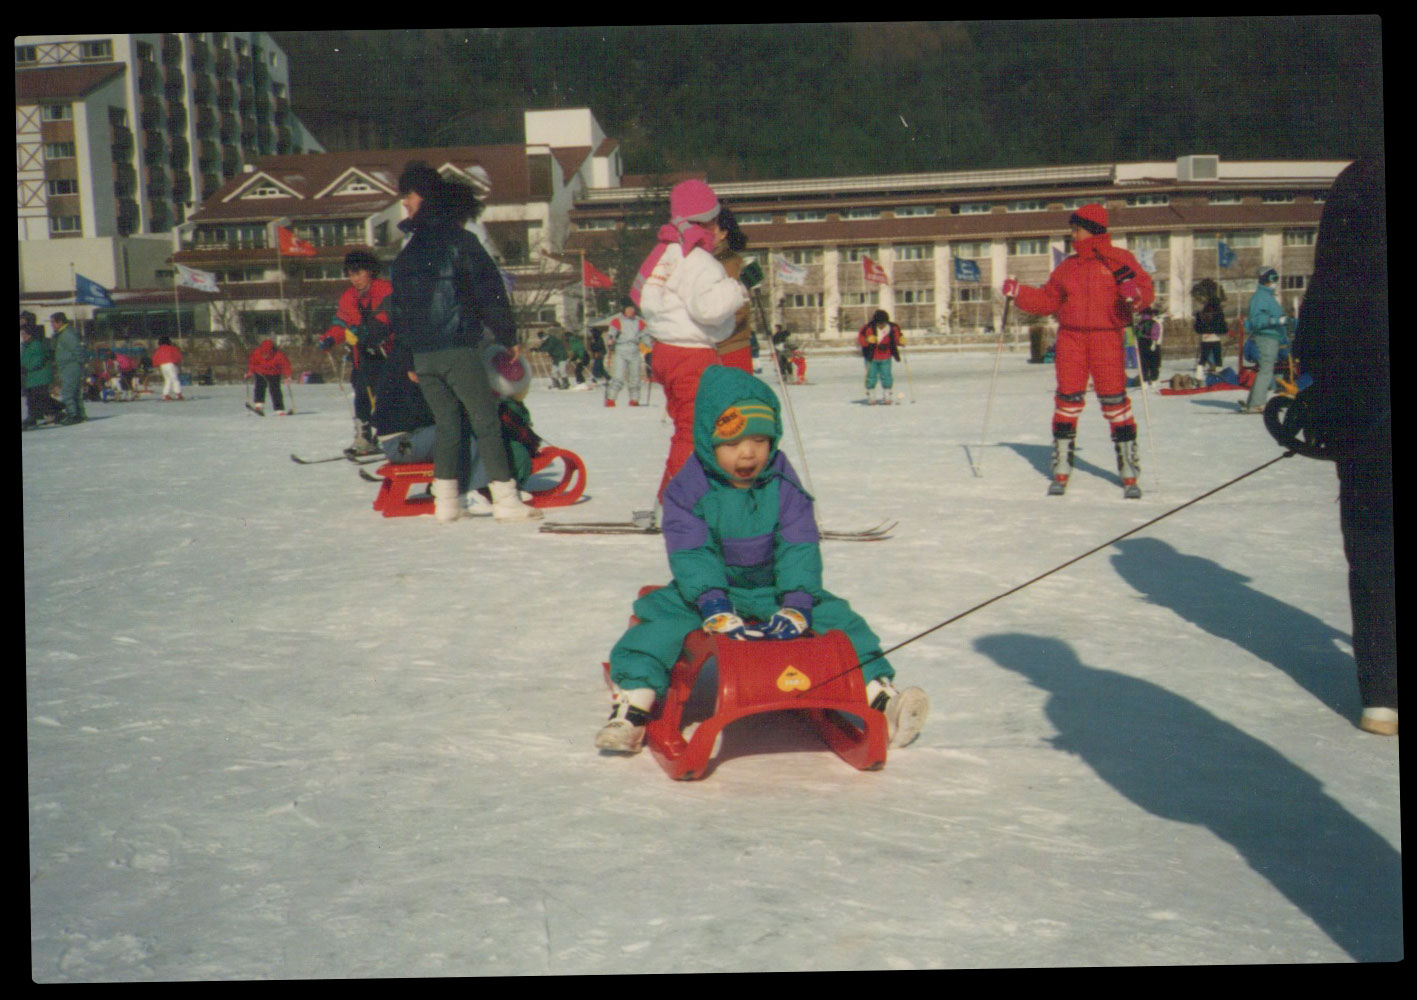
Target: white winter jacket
{"points": [[690, 301]]}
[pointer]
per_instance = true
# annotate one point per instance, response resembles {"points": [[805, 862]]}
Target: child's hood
{"points": [[719, 388]]}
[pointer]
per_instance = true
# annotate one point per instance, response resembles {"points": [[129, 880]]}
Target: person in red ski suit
{"points": [[269, 365], [362, 323], [1093, 293], [880, 341]]}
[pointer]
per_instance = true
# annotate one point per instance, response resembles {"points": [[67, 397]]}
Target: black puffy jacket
{"points": [[446, 288]]}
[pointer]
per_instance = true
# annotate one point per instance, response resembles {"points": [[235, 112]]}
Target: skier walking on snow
{"points": [[1093, 293], [880, 341]]}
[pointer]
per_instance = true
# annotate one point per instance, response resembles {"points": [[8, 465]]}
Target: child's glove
{"points": [[1010, 288], [326, 342], [1129, 290], [720, 617], [788, 623]]}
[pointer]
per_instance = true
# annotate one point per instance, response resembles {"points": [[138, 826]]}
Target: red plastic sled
{"points": [[393, 499]]}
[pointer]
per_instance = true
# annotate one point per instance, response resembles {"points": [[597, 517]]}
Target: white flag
{"points": [[1147, 260], [202, 281], [787, 272]]}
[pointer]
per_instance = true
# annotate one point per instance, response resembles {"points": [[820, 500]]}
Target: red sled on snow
{"points": [[393, 499], [819, 676]]}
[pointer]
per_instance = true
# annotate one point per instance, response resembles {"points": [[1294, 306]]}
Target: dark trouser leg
{"points": [[453, 382], [366, 380], [259, 396], [1365, 515]]}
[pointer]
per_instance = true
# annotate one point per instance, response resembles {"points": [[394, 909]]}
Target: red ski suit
{"points": [[362, 315], [268, 360], [1083, 293]]}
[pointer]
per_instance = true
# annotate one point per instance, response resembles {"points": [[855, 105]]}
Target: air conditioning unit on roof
{"points": [[1198, 168]]}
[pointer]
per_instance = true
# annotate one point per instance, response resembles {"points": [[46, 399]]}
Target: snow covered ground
{"points": [[274, 735]]}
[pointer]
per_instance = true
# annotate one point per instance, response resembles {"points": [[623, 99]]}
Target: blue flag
{"points": [[91, 293], [1224, 256], [966, 270], [1058, 256]]}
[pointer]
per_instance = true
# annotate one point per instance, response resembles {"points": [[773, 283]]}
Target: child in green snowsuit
{"points": [[743, 548]]}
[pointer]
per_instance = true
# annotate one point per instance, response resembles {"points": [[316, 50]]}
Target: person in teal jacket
{"points": [[1266, 323], [37, 373], [744, 551]]}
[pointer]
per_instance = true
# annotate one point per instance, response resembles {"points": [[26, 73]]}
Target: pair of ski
{"points": [[874, 534], [356, 459]]}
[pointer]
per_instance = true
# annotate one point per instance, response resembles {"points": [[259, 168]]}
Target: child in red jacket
{"points": [[269, 365], [1092, 293], [169, 360]]}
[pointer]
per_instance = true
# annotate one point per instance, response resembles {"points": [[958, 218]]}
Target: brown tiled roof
{"points": [[571, 158], [51, 83], [312, 173], [606, 147]]}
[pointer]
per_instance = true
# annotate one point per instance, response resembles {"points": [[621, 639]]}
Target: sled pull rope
{"points": [[1055, 569]]}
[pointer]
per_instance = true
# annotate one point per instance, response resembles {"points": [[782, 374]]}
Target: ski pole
{"points": [[1146, 413], [910, 383], [787, 406], [989, 404]]}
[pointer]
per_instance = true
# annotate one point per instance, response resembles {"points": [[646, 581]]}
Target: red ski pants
{"points": [[1096, 354], [678, 370]]}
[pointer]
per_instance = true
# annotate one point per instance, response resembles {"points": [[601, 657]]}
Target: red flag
{"points": [[874, 272], [292, 245], [593, 278]]}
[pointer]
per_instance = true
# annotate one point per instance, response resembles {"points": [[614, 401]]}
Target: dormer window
{"points": [[266, 190]]}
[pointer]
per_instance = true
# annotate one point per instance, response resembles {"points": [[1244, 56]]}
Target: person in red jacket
{"points": [[269, 365], [362, 323], [168, 360], [880, 341], [1093, 293]]}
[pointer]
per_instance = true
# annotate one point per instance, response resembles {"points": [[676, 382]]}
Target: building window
{"points": [[58, 113], [755, 219], [1028, 248], [265, 191], [861, 213], [1294, 282], [1072, 204], [860, 298], [1031, 205], [1149, 241], [1320, 197], [914, 211], [64, 224], [592, 225], [915, 296], [58, 150], [978, 250], [853, 255], [340, 232], [1300, 237], [971, 208], [63, 187], [968, 293], [915, 251], [811, 216], [1243, 238], [812, 255], [805, 300], [1139, 200], [25, 54], [1277, 198], [96, 50], [1224, 198]]}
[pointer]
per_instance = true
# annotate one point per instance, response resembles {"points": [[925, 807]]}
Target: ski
{"points": [[874, 534], [252, 408], [337, 458]]}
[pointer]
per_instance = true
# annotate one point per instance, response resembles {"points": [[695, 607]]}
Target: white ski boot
{"points": [[905, 711], [507, 503], [629, 714], [1062, 465], [1129, 467]]}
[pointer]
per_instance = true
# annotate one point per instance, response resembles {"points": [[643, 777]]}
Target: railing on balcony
{"points": [[122, 142], [178, 153], [177, 117]]}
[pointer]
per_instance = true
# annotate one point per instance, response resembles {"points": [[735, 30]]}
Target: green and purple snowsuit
{"points": [[759, 547]]}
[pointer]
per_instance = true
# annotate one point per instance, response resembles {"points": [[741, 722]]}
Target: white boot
{"points": [[629, 714], [447, 505], [905, 711], [507, 503]]}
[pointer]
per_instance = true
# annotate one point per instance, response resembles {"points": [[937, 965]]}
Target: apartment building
{"points": [[946, 241], [118, 136]]}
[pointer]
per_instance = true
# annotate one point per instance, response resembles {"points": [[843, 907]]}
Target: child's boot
{"points": [[905, 711], [629, 714]]}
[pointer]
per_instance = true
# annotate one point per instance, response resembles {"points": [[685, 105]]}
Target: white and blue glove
{"points": [[788, 623], [719, 617]]}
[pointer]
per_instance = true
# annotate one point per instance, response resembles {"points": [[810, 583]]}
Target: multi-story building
{"points": [[337, 202], [117, 136], [946, 241]]}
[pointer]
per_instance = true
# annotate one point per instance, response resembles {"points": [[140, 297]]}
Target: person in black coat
{"points": [[448, 293], [1342, 342]]}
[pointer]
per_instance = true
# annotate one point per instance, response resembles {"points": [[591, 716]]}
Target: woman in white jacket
{"points": [[689, 302]]}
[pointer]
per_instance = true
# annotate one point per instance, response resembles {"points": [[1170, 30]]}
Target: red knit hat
{"points": [[1093, 218]]}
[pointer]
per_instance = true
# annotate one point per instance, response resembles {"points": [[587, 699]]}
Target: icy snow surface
{"points": [[272, 734]]}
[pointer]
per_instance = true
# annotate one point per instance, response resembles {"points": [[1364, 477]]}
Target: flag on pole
{"points": [[1147, 260], [873, 271], [292, 245], [592, 277], [966, 270], [1058, 256], [1224, 256], [91, 293], [202, 281], [787, 272]]}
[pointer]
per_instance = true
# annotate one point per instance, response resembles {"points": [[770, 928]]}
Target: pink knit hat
{"points": [[693, 200]]}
